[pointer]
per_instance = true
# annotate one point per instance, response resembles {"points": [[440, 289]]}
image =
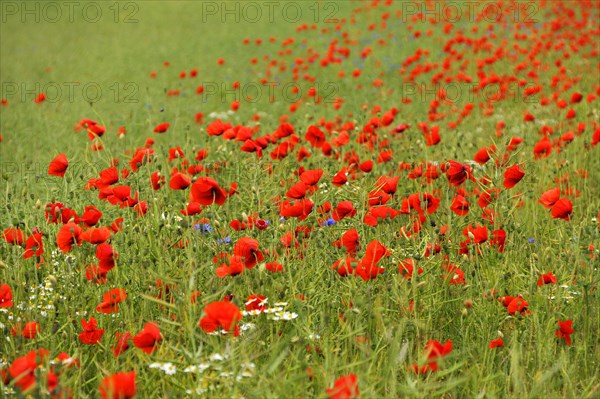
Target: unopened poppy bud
{"points": [[38, 204], [464, 312], [217, 223], [471, 235], [52, 279], [500, 334], [282, 227], [244, 215]]}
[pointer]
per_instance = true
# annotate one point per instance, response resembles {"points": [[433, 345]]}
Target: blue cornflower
{"points": [[223, 241], [204, 228], [329, 222]]}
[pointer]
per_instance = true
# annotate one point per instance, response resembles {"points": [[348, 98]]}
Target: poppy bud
{"points": [[52, 279]]}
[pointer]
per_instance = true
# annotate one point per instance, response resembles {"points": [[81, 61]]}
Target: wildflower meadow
{"points": [[300, 199]]}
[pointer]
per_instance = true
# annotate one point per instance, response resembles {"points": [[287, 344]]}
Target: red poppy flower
{"points": [[91, 335], [297, 191], [222, 314], [175, 153], [512, 176], [31, 330], [407, 267], [367, 269], [300, 209], [496, 343], [432, 137], [454, 275], [161, 128], [179, 181], [157, 181], [483, 155], [311, 177], [547, 278], [345, 387], [274, 267], [565, 330], [343, 209], [68, 236], [256, 303], [550, 197], [217, 128], [115, 226], [542, 148], [67, 360], [95, 274], [95, 235], [6, 297], [206, 191], [118, 386], [106, 255], [14, 236], [478, 234], [141, 156], [518, 304], [366, 166], [562, 209], [235, 267], [149, 338], [247, 248], [378, 197], [388, 184], [91, 216], [122, 343], [345, 267], [58, 166], [111, 300], [460, 205], [434, 350], [193, 208], [350, 241], [22, 369], [340, 178], [315, 136], [261, 224], [498, 240], [379, 212], [457, 173]]}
